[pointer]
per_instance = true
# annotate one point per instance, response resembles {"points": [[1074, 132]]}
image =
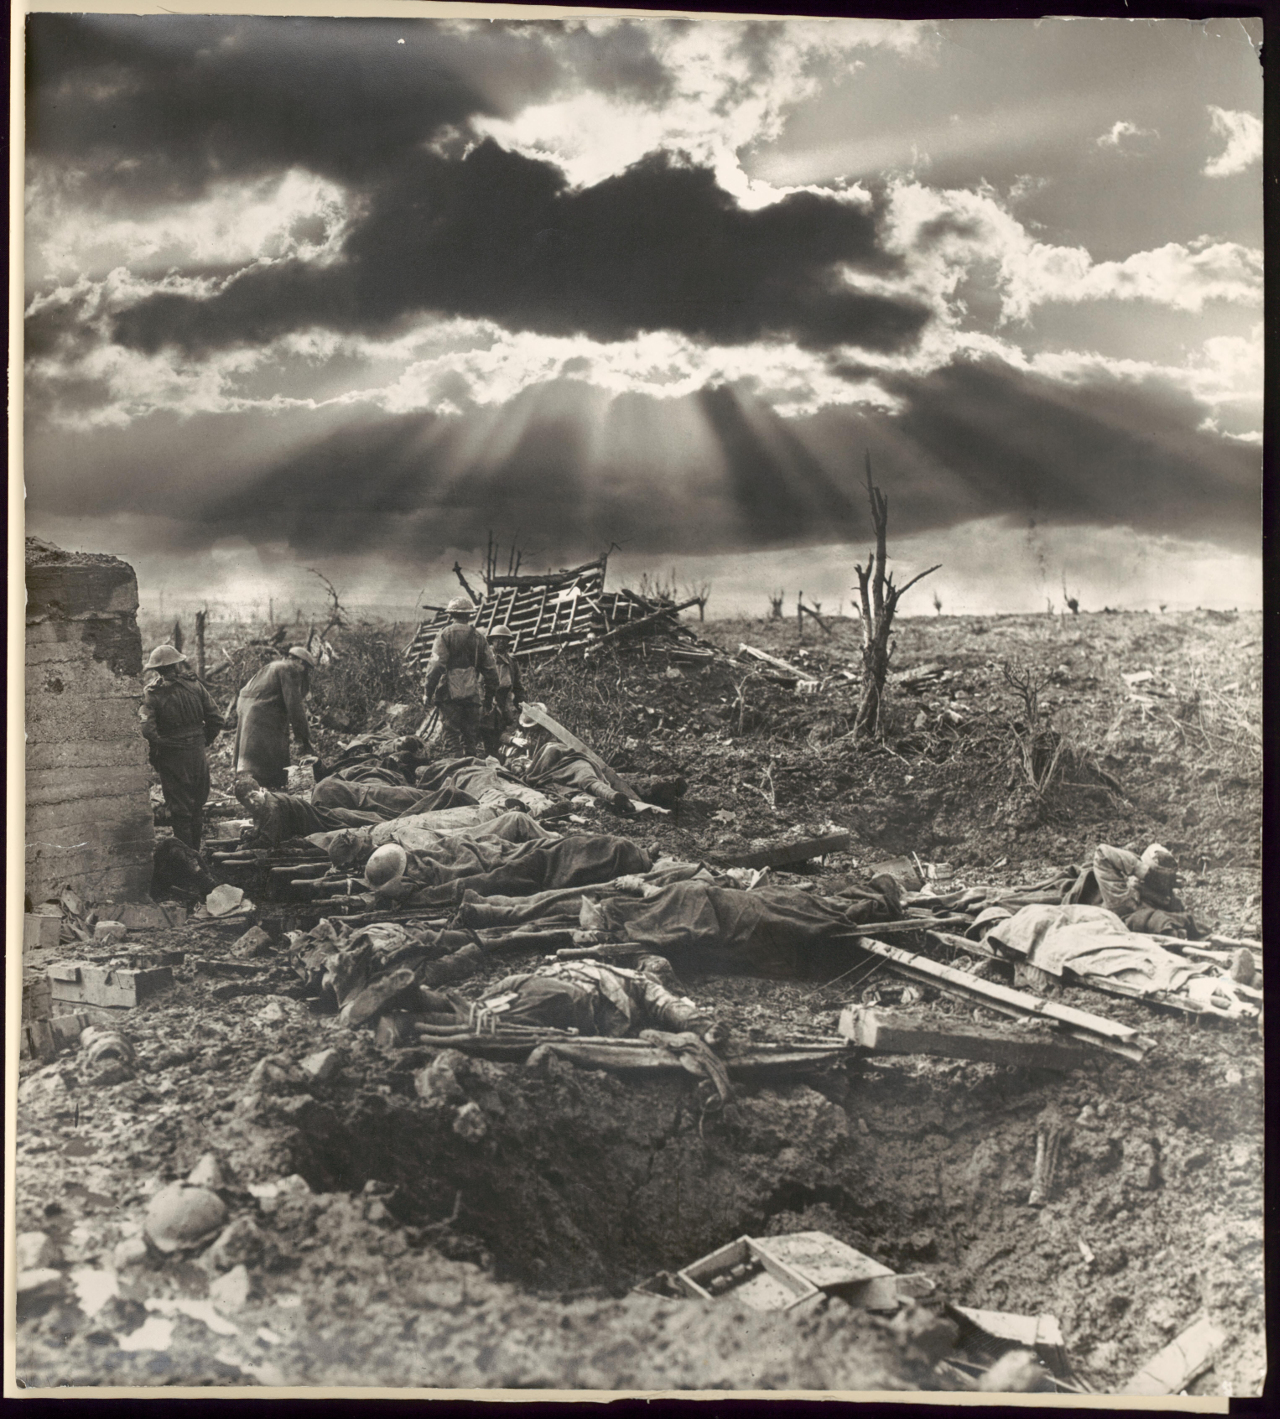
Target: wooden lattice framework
{"points": [[547, 613]]}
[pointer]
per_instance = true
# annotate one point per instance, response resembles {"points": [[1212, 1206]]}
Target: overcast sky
{"points": [[351, 293]]}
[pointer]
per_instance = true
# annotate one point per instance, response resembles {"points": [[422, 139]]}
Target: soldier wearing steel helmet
{"points": [[179, 721], [462, 678], [269, 706], [505, 710]]}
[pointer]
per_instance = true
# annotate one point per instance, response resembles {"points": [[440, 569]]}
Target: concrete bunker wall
{"points": [[89, 821]]}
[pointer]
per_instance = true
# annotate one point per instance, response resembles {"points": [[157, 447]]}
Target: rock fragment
{"points": [[322, 1065], [35, 1251], [255, 942], [241, 1243], [208, 1173], [233, 1289], [469, 1123]]}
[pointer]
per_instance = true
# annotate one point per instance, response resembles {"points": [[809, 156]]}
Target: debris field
{"points": [[277, 1131]]}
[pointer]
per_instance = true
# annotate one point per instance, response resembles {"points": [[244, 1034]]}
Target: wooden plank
{"points": [[785, 666], [556, 579], [1093, 1029], [891, 1033], [787, 852], [81, 983], [1172, 1369]]}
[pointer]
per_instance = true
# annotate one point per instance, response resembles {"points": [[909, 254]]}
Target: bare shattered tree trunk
{"points": [[879, 598]]}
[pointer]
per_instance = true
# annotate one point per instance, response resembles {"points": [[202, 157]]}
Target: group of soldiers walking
{"points": [[471, 679], [473, 682]]}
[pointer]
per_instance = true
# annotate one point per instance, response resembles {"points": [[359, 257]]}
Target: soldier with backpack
{"points": [[462, 678]]}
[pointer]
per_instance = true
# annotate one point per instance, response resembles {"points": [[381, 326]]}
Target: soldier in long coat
{"points": [[269, 706]]}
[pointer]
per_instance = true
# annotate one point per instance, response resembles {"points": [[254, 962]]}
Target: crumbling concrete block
{"points": [[88, 816], [38, 1040], [40, 932]]}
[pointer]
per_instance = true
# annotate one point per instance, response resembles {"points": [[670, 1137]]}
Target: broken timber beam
{"points": [[1173, 1368], [788, 852], [884, 1033], [457, 571], [546, 578], [773, 660], [1092, 1029], [624, 626]]}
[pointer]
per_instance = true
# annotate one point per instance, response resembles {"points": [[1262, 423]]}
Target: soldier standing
{"points": [[179, 720], [505, 710], [462, 678]]}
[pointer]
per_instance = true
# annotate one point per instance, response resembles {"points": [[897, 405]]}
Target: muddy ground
{"points": [[384, 1243]]}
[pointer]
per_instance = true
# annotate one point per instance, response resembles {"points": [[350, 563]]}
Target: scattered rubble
{"points": [[902, 1157]]}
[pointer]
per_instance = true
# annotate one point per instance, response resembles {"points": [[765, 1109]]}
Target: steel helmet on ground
{"points": [[460, 606], [385, 867], [300, 652], [164, 655]]}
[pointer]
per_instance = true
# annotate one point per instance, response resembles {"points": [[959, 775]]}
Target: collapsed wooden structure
{"points": [[555, 611]]}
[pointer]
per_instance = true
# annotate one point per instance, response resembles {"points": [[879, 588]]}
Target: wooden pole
{"points": [[200, 620]]}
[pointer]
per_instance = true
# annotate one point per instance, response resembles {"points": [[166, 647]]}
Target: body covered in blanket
{"points": [[381, 802], [1093, 943], [439, 874], [485, 781], [767, 931], [351, 848], [557, 763], [334, 804]]}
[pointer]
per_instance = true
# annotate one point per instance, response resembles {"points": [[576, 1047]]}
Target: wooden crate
{"points": [[78, 983], [748, 1274]]}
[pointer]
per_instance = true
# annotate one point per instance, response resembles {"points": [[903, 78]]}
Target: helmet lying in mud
{"points": [[385, 867], [180, 1216]]}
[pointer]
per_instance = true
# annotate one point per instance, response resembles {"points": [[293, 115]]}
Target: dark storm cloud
{"points": [[1103, 452], [975, 440], [499, 235], [155, 107]]}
